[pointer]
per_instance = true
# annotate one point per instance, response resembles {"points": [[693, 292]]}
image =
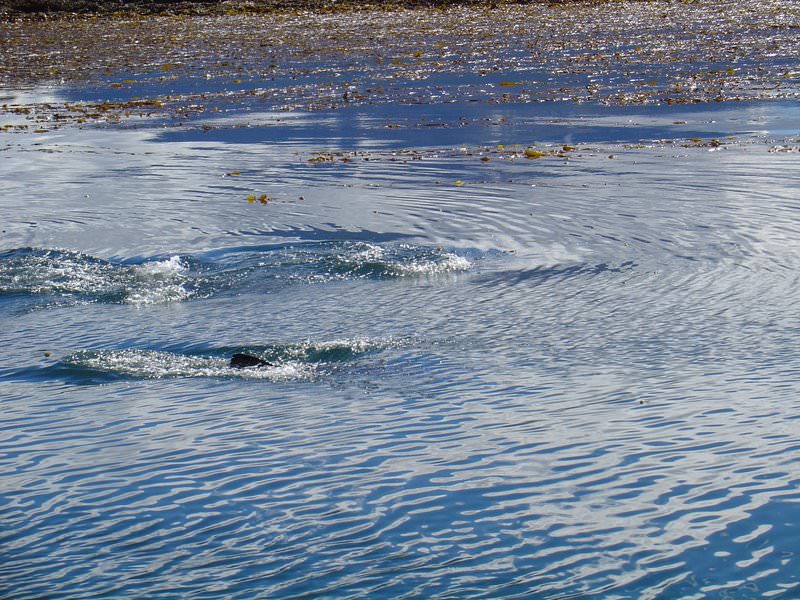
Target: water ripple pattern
{"points": [[554, 373]]}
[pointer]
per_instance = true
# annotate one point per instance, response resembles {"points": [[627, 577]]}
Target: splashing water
{"points": [[65, 276], [148, 364], [61, 275]]}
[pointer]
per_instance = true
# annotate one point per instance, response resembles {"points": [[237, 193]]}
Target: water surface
{"points": [[529, 350]]}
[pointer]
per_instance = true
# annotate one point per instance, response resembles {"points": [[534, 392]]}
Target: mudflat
{"points": [[238, 54]]}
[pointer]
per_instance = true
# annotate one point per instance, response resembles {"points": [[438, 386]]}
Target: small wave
{"points": [[448, 263], [306, 360], [163, 281], [59, 277], [51, 272], [65, 276], [265, 268], [365, 260], [151, 364], [326, 352]]}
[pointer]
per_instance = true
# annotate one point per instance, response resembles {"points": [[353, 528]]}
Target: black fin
{"points": [[243, 361]]}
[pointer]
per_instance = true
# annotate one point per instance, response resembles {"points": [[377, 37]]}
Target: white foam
{"points": [[64, 273], [161, 268], [288, 371], [149, 364], [450, 263], [142, 363], [370, 253], [356, 345], [161, 294], [67, 274], [163, 282]]}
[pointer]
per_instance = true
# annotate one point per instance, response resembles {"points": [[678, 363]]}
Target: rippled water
{"points": [[562, 376]]}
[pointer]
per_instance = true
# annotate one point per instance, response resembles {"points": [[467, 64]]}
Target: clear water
{"points": [[565, 377]]}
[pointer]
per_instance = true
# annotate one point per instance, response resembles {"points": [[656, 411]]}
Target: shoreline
{"points": [[619, 53], [13, 10]]}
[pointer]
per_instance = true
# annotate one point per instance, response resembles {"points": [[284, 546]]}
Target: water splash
{"points": [[63, 277], [170, 277], [66, 277], [301, 361], [320, 352], [365, 260], [151, 364]]}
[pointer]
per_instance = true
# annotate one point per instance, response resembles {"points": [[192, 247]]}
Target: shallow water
{"points": [[566, 373]]}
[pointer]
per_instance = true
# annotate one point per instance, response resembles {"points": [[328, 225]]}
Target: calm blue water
{"points": [[568, 377]]}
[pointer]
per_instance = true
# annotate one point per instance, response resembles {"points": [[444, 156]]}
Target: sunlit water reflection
{"points": [[571, 375]]}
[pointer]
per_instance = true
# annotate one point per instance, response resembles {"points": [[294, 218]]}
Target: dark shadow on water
{"points": [[331, 232], [545, 274], [394, 127]]}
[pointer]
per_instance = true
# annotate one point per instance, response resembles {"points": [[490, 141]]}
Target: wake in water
{"points": [[323, 262], [65, 276], [62, 277], [303, 361], [151, 364]]}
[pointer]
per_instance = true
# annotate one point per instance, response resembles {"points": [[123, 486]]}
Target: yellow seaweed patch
{"points": [[529, 153]]}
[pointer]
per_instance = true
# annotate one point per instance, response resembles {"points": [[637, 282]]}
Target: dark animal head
{"points": [[243, 361]]}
